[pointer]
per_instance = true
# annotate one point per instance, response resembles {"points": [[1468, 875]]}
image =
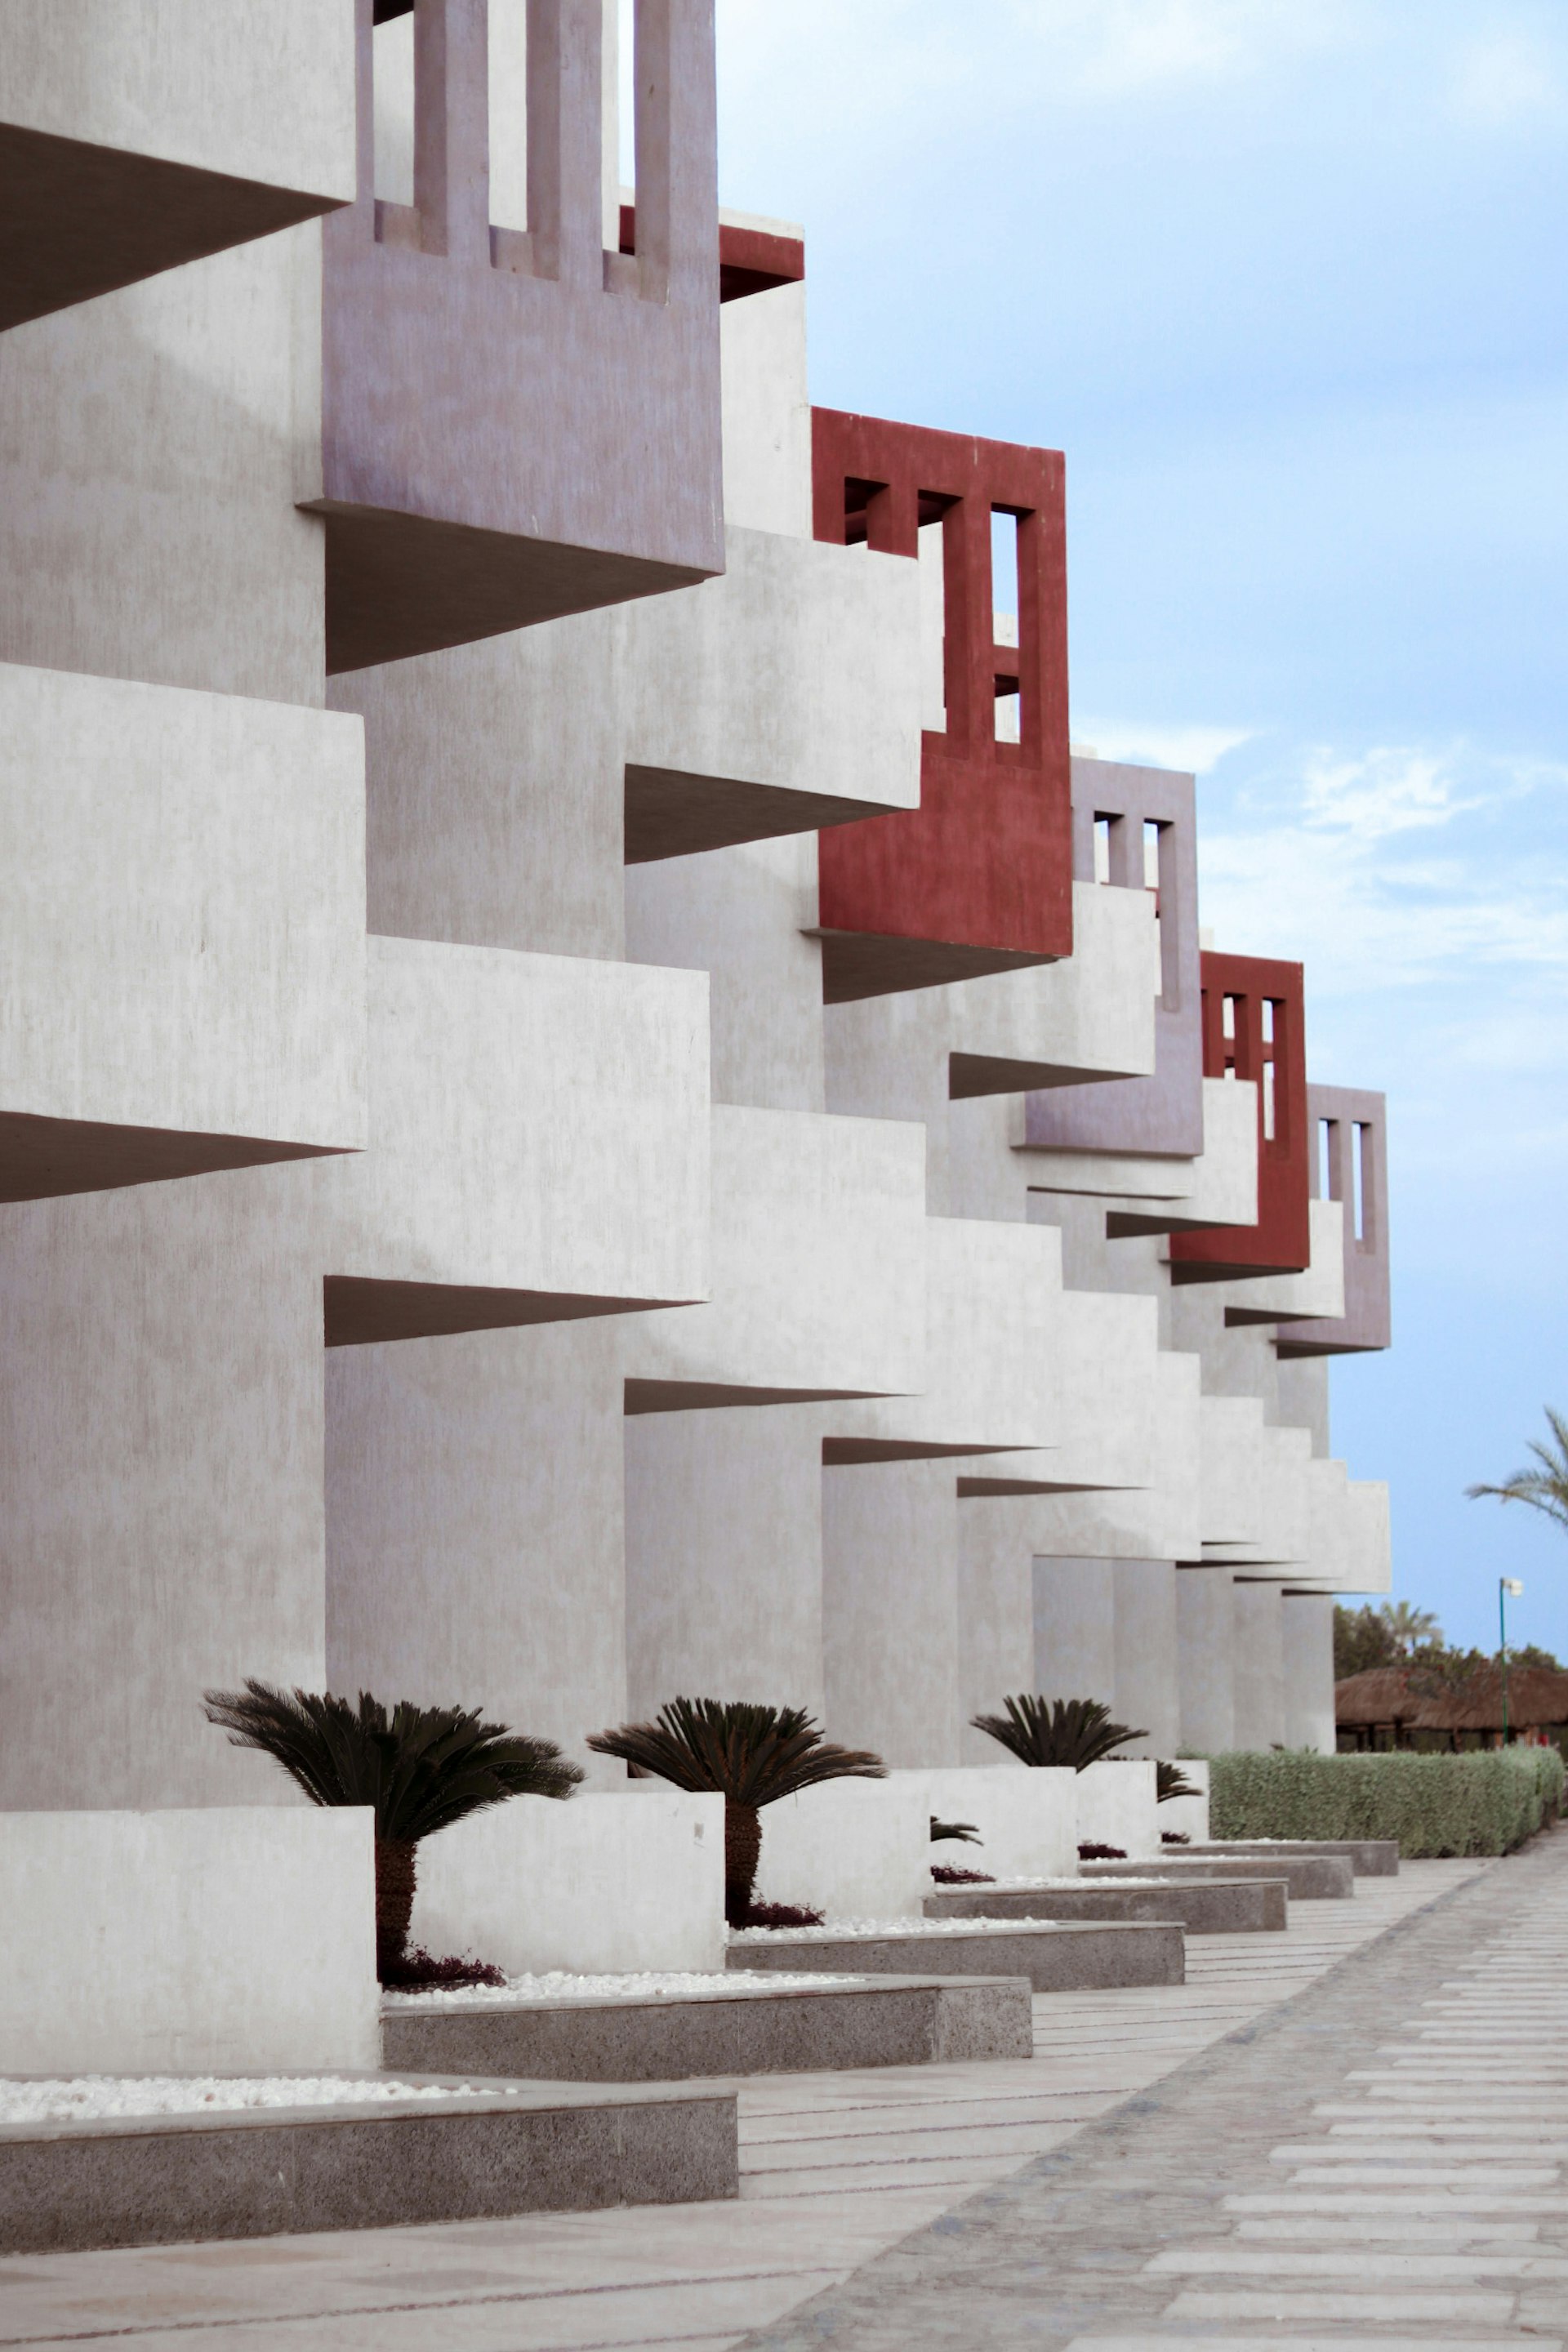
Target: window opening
{"points": [[392, 73], [1102, 848], [1358, 1180]]}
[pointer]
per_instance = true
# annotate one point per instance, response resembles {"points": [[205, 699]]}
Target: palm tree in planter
{"points": [[419, 1768], [751, 1755], [1076, 1732]]}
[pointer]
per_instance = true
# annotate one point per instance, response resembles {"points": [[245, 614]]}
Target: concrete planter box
{"points": [[163, 2180], [1310, 1877], [1368, 1857], [1230, 1907], [898, 2022], [1055, 1957]]}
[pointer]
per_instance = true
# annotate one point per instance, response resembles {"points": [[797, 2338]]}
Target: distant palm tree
{"points": [[1544, 1487], [1412, 1628], [751, 1755], [420, 1767], [1064, 1731]]}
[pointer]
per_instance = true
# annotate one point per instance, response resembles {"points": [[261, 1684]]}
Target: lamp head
{"points": [[1511, 1586]]}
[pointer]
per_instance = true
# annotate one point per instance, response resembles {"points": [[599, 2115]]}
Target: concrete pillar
{"points": [[1205, 1659], [160, 1465], [1259, 1663], [1307, 1620], [996, 1616], [475, 1544], [1075, 1629], [724, 1555], [890, 1609], [1147, 1691]]}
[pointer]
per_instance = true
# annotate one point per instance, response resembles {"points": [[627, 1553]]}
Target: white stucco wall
{"points": [[1116, 1806], [234, 1940], [1026, 1816], [852, 1849], [599, 1885]]}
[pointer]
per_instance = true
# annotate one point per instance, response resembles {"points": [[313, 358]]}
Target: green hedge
{"points": [[1484, 1802]]}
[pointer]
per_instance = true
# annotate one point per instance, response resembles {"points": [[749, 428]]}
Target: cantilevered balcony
{"points": [[1253, 1027], [979, 878], [516, 423], [1348, 1126], [1136, 829], [139, 134]]}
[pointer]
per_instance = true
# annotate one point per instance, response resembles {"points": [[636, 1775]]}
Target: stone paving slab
{"points": [[1084, 2246]]}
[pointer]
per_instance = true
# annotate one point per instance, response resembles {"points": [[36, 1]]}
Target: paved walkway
{"points": [[1120, 2189]]}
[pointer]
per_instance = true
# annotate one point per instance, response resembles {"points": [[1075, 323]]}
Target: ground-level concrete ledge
{"points": [[1311, 1878], [1368, 1857], [257, 2172], [882, 2022], [1054, 1957], [1206, 1907]]}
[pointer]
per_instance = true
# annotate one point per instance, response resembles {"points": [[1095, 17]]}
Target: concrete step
{"points": [[1368, 1857], [1054, 1955], [519, 2148], [1208, 1906], [1311, 1878], [665, 2038]]}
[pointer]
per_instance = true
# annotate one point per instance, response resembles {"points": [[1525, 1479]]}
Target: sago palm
{"points": [[1170, 1780], [1545, 1486], [1063, 1731], [420, 1769], [751, 1755]]}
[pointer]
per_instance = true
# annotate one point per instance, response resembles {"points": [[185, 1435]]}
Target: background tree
{"points": [[1363, 1639], [420, 1769], [1413, 1629], [1544, 1484], [751, 1755]]}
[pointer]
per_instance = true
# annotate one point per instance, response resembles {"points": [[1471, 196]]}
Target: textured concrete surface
{"points": [[1368, 1857], [1236, 1906], [900, 2022], [1054, 1955], [834, 2167], [528, 2150], [1311, 1878]]}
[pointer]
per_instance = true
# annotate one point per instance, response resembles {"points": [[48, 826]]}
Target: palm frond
{"points": [[419, 1768], [1170, 1780], [958, 1833], [1066, 1731], [752, 1754], [1543, 1487]]}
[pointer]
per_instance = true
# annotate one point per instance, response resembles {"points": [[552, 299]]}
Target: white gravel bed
{"points": [[835, 1931], [99, 2098], [559, 1985]]}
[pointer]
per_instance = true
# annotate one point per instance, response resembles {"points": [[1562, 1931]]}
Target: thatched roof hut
{"points": [[1404, 1700]]}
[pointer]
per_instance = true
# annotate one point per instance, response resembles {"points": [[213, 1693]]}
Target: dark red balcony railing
{"points": [[979, 878], [516, 423], [1254, 1027]]}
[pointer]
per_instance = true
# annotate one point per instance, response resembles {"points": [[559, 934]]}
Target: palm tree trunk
{"points": [[393, 1900], [742, 1847]]}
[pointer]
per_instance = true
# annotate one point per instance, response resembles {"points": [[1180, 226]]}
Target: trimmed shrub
{"points": [[1485, 1802]]}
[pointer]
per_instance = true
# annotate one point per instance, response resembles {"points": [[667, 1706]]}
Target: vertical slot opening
{"points": [[392, 74], [1152, 832], [1102, 848], [1267, 1012], [933, 561], [509, 113], [1268, 1101], [1005, 616], [1323, 1161], [1358, 1181]]}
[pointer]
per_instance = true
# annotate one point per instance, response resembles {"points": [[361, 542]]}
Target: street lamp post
{"points": [[1505, 1585]]}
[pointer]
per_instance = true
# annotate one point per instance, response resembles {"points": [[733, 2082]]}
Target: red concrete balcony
{"points": [[1254, 1028], [1349, 1128], [979, 878], [516, 423]]}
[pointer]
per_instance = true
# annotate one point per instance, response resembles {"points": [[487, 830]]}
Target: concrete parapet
{"points": [[225, 1939], [1234, 1907], [853, 1849], [519, 2148], [1116, 1805], [1368, 1857], [1054, 1955], [667, 2037], [1025, 1818], [601, 1885]]}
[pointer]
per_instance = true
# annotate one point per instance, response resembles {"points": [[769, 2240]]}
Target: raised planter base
{"points": [[1208, 1906], [890, 2022], [1310, 1877], [1368, 1857], [160, 2180], [1054, 1956]]}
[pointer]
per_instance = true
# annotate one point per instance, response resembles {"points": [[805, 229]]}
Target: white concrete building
{"points": [[592, 1106]]}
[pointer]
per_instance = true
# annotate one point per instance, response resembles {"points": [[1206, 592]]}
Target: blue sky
{"points": [[1286, 284]]}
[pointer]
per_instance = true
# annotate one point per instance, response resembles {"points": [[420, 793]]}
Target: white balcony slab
{"points": [[1318, 1290], [182, 933], [818, 1269], [539, 1145]]}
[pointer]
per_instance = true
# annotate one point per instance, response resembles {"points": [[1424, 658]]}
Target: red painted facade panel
{"points": [[1254, 1027], [979, 878]]}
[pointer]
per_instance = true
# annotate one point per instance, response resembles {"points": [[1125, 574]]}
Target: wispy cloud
{"points": [[1193, 749]]}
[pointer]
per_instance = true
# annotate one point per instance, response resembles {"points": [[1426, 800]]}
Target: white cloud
{"points": [[1506, 79]]}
